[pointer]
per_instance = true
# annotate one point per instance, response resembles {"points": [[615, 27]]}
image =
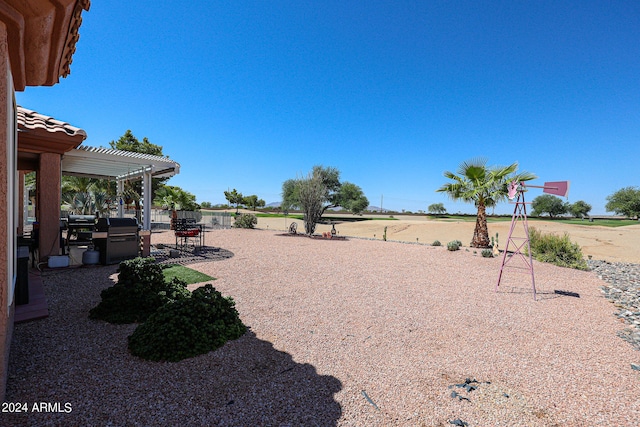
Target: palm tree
{"points": [[485, 186]]}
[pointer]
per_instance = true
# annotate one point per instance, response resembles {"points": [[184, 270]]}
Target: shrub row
{"points": [[178, 324], [558, 250], [140, 291]]}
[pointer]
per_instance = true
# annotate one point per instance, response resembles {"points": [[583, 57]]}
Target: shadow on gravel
{"points": [[190, 256], [268, 388], [82, 373]]}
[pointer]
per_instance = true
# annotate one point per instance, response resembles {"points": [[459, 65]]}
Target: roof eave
{"points": [[42, 37]]}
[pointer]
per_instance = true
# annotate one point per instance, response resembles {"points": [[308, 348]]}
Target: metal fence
{"points": [[162, 218]]}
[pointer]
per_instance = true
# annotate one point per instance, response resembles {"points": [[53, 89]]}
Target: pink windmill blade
{"points": [[513, 189], [558, 188]]}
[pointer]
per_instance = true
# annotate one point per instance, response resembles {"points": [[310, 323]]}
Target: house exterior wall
{"points": [[8, 145], [37, 42]]}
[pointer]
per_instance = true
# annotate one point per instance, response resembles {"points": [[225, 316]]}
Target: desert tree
{"points": [[320, 190], [312, 193], [625, 201], [437, 209], [580, 209], [549, 204], [252, 202], [483, 185], [234, 198], [133, 189]]}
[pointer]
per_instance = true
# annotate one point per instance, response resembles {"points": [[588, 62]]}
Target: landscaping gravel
{"points": [[348, 333]]}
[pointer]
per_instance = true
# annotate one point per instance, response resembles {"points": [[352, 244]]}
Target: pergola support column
{"points": [[146, 200], [48, 204], [120, 190]]}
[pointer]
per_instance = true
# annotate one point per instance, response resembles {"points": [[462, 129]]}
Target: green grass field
{"points": [[575, 221], [325, 218], [187, 274]]}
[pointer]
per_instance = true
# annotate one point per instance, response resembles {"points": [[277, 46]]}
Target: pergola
{"points": [[53, 148], [121, 166]]}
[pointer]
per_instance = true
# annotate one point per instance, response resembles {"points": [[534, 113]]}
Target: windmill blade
{"points": [[558, 188]]}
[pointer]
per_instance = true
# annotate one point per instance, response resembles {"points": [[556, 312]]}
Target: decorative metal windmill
{"points": [[558, 188]]}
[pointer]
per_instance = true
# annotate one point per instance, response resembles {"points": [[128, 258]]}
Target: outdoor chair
{"points": [[188, 234]]}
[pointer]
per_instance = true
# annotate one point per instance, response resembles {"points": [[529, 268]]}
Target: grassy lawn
{"points": [[605, 222], [187, 274], [575, 221], [325, 218], [468, 218]]}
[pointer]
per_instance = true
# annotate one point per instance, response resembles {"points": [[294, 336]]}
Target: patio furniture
{"points": [[188, 234]]}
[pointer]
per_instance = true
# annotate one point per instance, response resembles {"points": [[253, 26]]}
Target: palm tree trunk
{"points": [[481, 232]]}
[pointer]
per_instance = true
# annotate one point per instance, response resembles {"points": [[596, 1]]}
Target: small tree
{"points": [[351, 198], [625, 201], [580, 209], [206, 205], [550, 204], [234, 198], [319, 191], [312, 194], [133, 189], [437, 209], [346, 194], [253, 202]]}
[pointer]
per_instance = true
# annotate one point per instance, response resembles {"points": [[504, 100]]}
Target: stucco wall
{"points": [[7, 242]]}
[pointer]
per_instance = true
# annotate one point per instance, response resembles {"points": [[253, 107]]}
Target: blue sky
{"points": [[249, 94]]}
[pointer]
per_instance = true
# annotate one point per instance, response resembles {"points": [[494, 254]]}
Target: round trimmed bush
{"points": [[436, 243], [246, 220], [188, 327], [453, 245], [140, 291]]}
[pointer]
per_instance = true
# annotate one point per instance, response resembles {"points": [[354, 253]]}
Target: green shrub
{"points": [[188, 327], [459, 243], [558, 250], [453, 245], [487, 253], [245, 220], [436, 243], [140, 291]]}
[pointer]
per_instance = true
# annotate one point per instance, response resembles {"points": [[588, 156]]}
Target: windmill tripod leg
{"points": [[519, 213]]}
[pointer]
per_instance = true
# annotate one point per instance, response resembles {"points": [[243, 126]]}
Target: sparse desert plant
{"points": [[245, 220], [436, 243], [384, 236], [487, 253], [558, 250], [188, 327], [453, 245]]}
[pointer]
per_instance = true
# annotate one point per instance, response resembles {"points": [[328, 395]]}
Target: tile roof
{"points": [[41, 38], [32, 120], [74, 36]]}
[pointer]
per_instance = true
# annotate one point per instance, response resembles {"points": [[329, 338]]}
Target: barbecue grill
{"points": [[79, 228], [116, 239]]}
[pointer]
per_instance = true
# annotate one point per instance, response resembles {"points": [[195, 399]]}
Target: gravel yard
{"points": [[342, 333]]}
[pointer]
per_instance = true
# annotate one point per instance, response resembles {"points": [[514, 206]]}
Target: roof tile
{"points": [[32, 120]]}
